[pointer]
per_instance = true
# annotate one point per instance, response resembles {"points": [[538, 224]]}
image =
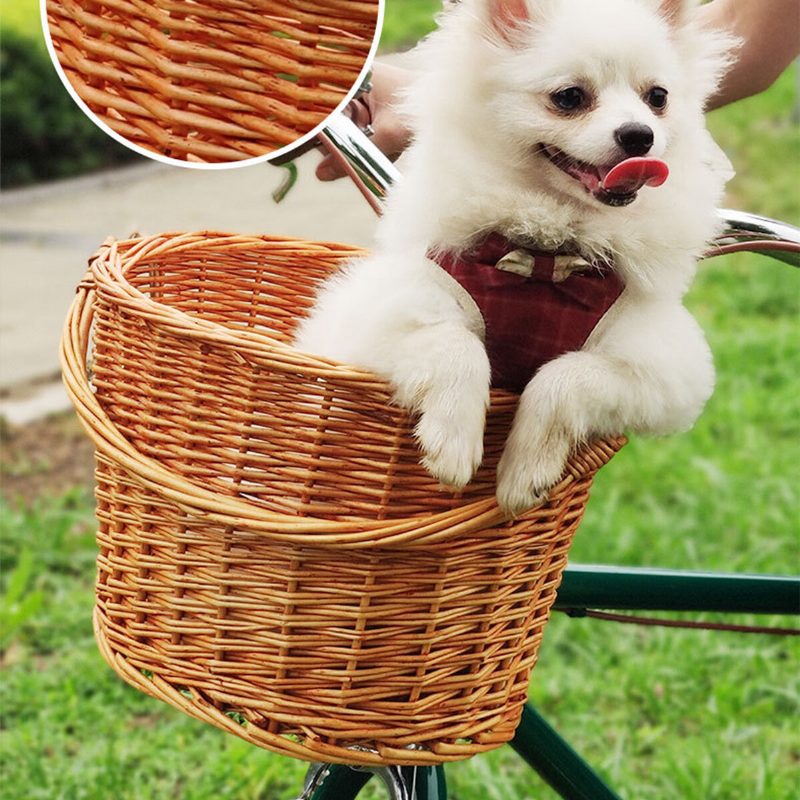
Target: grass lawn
{"points": [[662, 713]]}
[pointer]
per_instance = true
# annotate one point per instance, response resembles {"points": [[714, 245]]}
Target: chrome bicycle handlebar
{"points": [[374, 173]]}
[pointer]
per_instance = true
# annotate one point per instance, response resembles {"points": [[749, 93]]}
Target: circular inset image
{"points": [[211, 82]]}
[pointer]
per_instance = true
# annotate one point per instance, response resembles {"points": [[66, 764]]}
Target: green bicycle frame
{"points": [[599, 587]]}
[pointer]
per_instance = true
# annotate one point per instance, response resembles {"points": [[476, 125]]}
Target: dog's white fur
{"points": [[480, 110]]}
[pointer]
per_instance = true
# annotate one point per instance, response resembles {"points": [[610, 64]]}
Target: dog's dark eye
{"points": [[657, 98], [570, 99]]}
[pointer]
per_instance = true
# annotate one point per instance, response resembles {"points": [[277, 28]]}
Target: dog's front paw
{"points": [[452, 448], [527, 472]]}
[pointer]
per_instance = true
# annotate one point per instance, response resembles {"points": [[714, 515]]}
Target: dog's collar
{"points": [[496, 250]]}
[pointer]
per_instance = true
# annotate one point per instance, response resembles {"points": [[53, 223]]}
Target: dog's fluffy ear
{"points": [[507, 17], [676, 12], [711, 52]]}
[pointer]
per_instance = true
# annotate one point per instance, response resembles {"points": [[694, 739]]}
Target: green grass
{"points": [[662, 713]]}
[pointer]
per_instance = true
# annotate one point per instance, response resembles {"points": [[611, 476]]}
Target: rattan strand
{"points": [[212, 80], [273, 558]]}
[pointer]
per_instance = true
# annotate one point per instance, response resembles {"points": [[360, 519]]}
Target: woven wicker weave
{"points": [[212, 80], [273, 558]]}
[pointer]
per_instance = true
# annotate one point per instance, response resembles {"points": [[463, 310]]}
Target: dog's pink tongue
{"points": [[633, 173]]}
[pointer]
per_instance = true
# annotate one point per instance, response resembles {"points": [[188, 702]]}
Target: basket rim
{"points": [[107, 273]]}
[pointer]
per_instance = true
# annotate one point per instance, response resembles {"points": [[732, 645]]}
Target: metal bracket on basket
{"points": [[393, 778], [315, 776], [399, 787]]}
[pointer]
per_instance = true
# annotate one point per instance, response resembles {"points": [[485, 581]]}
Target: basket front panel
{"points": [[415, 655], [211, 80], [330, 648], [264, 289], [244, 419]]}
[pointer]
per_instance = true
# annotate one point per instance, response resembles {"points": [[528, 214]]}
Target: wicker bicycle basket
{"points": [[212, 80], [273, 558]]}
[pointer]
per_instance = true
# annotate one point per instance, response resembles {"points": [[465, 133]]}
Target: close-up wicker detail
{"points": [[212, 80], [273, 558]]}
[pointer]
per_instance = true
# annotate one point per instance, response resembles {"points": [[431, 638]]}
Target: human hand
{"points": [[377, 108], [769, 32]]}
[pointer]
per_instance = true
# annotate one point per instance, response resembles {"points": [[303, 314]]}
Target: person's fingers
{"points": [[328, 169], [392, 138], [390, 132]]}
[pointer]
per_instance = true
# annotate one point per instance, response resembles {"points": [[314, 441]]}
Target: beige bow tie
{"points": [[521, 262]]}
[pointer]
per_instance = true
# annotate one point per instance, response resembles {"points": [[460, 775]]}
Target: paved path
{"points": [[48, 232]]}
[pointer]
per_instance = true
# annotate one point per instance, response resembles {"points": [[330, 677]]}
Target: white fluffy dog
{"points": [[521, 113]]}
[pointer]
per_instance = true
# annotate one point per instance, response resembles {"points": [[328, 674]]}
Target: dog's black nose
{"points": [[634, 138]]}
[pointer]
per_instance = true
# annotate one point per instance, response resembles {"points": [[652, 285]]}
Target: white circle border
{"points": [[176, 162]]}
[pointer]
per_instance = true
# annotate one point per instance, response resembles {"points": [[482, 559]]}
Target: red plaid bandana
{"points": [[534, 317]]}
